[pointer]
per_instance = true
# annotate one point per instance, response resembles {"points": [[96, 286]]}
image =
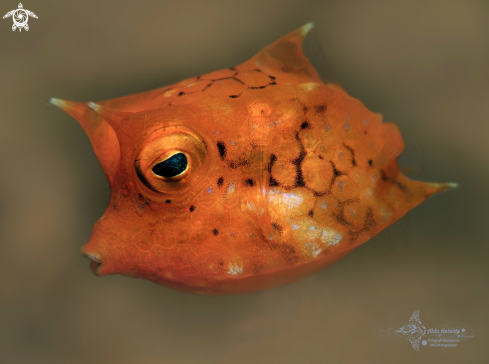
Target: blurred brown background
{"points": [[423, 64]]}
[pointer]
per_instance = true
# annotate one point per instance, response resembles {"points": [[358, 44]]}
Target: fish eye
{"points": [[171, 161], [173, 166]]}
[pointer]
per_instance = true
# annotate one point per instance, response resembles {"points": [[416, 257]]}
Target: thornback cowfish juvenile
{"points": [[242, 179]]}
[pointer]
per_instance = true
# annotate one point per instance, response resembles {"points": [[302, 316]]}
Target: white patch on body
{"points": [[251, 207], [231, 187], [312, 249], [235, 269], [289, 200], [271, 124], [330, 236], [308, 86]]}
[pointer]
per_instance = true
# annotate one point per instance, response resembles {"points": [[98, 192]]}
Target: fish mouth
{"points": [[95, 262]]}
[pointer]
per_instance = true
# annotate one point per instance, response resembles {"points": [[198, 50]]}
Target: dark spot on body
{"points": [[222, 149], [299, 178], [233, 164], [339, 214], [311, 213], [383, 176], [305, 125], [168, 201], [408, 194], [277, 226], [369, 220], [335, 171], [350, 149], [320, 109], [272, 182], [320, 156], [287, 251], [220, 181], [401, 186], [207, 86], [192, 208], [215, 231], [370, 162], [233, 96], [237, 79], [249, 182], [181, 93]]}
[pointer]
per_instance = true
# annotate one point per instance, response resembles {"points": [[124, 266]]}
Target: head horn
{"points": [[102, 136]]}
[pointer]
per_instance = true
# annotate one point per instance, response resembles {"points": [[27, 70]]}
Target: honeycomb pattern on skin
{"points": [[286, 175], [315, 162], [305, 170]]}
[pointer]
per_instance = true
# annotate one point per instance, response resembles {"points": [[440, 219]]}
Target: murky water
{"points": [[422, 64]]}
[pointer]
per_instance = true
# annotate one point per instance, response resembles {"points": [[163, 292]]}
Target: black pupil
{"points": [[172, 166]]}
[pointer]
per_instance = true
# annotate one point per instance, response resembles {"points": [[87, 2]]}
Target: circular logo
{"points": [[424, 342], [20, 17]]}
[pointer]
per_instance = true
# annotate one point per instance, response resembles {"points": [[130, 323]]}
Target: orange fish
{"points": [[242, 179]]}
